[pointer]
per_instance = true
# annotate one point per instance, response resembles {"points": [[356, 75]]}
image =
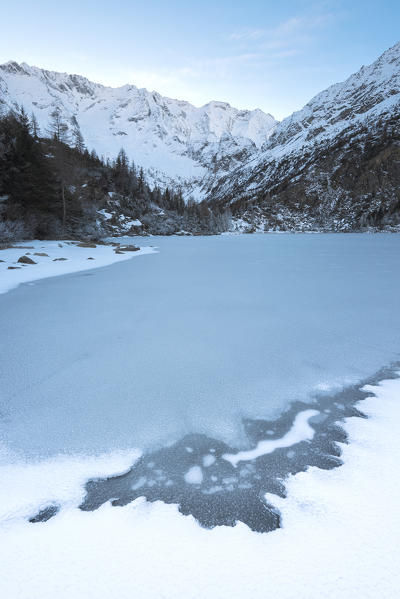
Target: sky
{"points": [[273, 55]]}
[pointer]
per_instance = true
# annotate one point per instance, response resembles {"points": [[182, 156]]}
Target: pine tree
{"points": [[58, 128], [77, 136], [23, 119], [141, 181], [122, 178], [34, 126], [25, 176]]}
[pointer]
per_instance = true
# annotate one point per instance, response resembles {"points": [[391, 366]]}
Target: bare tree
{"points": [[58, 128]]}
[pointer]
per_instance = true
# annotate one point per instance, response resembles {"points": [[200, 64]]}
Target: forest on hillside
{"points": [[51, 186]]}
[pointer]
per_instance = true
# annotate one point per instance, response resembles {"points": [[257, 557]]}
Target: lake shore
{"points": [[30, 261]]}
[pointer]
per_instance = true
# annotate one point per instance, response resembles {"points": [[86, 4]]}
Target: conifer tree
{"points": [[77, 136], [58, 128], [35, 126]]}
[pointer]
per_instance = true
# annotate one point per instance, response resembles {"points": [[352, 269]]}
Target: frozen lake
{"points": [[193, 339]]}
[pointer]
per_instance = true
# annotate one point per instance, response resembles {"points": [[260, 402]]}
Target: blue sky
{"points": [[250, 53]]}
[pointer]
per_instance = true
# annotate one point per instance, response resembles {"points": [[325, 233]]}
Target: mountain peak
{"points": [[339, 153], [171, 139]]}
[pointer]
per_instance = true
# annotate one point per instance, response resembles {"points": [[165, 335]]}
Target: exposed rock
{"points": [[41, 254], [334, 165], [14, 267], [17, 247], [128, 248], [86, 244], [26, 260], [90, 258], [59, 259]]}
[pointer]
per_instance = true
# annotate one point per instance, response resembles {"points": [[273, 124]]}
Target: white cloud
{"points": [[181, 79], [249, 34], [287, 38]]}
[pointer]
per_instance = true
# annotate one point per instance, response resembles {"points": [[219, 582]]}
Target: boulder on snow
{"points": [[128, 248], [26, 260], [14, 268], [59, 259], [86, 244], [40, 254]]}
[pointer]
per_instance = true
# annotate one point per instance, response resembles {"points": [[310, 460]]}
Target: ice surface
{"points": [[300, 431], [192, 339]]}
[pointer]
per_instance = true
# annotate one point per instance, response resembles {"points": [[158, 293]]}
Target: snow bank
{"points": [[26, 487], [340, 537], [64, 257]]}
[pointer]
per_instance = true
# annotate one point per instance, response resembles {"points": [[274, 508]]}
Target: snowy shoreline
{"points": [[338, 538], [54, 258]]}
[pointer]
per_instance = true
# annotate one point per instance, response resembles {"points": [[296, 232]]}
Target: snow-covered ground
{"points": [[62, 257], [340, 537], [191, 340]]}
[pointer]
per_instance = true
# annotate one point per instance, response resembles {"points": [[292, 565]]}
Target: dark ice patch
{"points": [[219, 493], [45, 514]]}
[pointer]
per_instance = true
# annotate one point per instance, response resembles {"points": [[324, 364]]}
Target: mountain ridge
{"points": [[303, 166], [172, 139], [333, 165]]}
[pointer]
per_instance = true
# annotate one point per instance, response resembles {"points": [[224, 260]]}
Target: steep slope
{"points": [[334, 165], [173, 140]]}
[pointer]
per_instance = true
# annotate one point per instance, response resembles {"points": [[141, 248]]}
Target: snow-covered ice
{"points": [[206, 332], [193, 338], [340, 537]]}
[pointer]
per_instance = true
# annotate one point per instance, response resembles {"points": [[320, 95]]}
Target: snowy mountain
{"points": [[171, 139], [335, 164]]}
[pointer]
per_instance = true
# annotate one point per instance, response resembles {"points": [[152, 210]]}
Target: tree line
{"points": [[51, 186]]}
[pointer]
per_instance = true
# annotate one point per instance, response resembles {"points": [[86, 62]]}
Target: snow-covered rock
{"points": [[171, 139], [333, 163]]}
